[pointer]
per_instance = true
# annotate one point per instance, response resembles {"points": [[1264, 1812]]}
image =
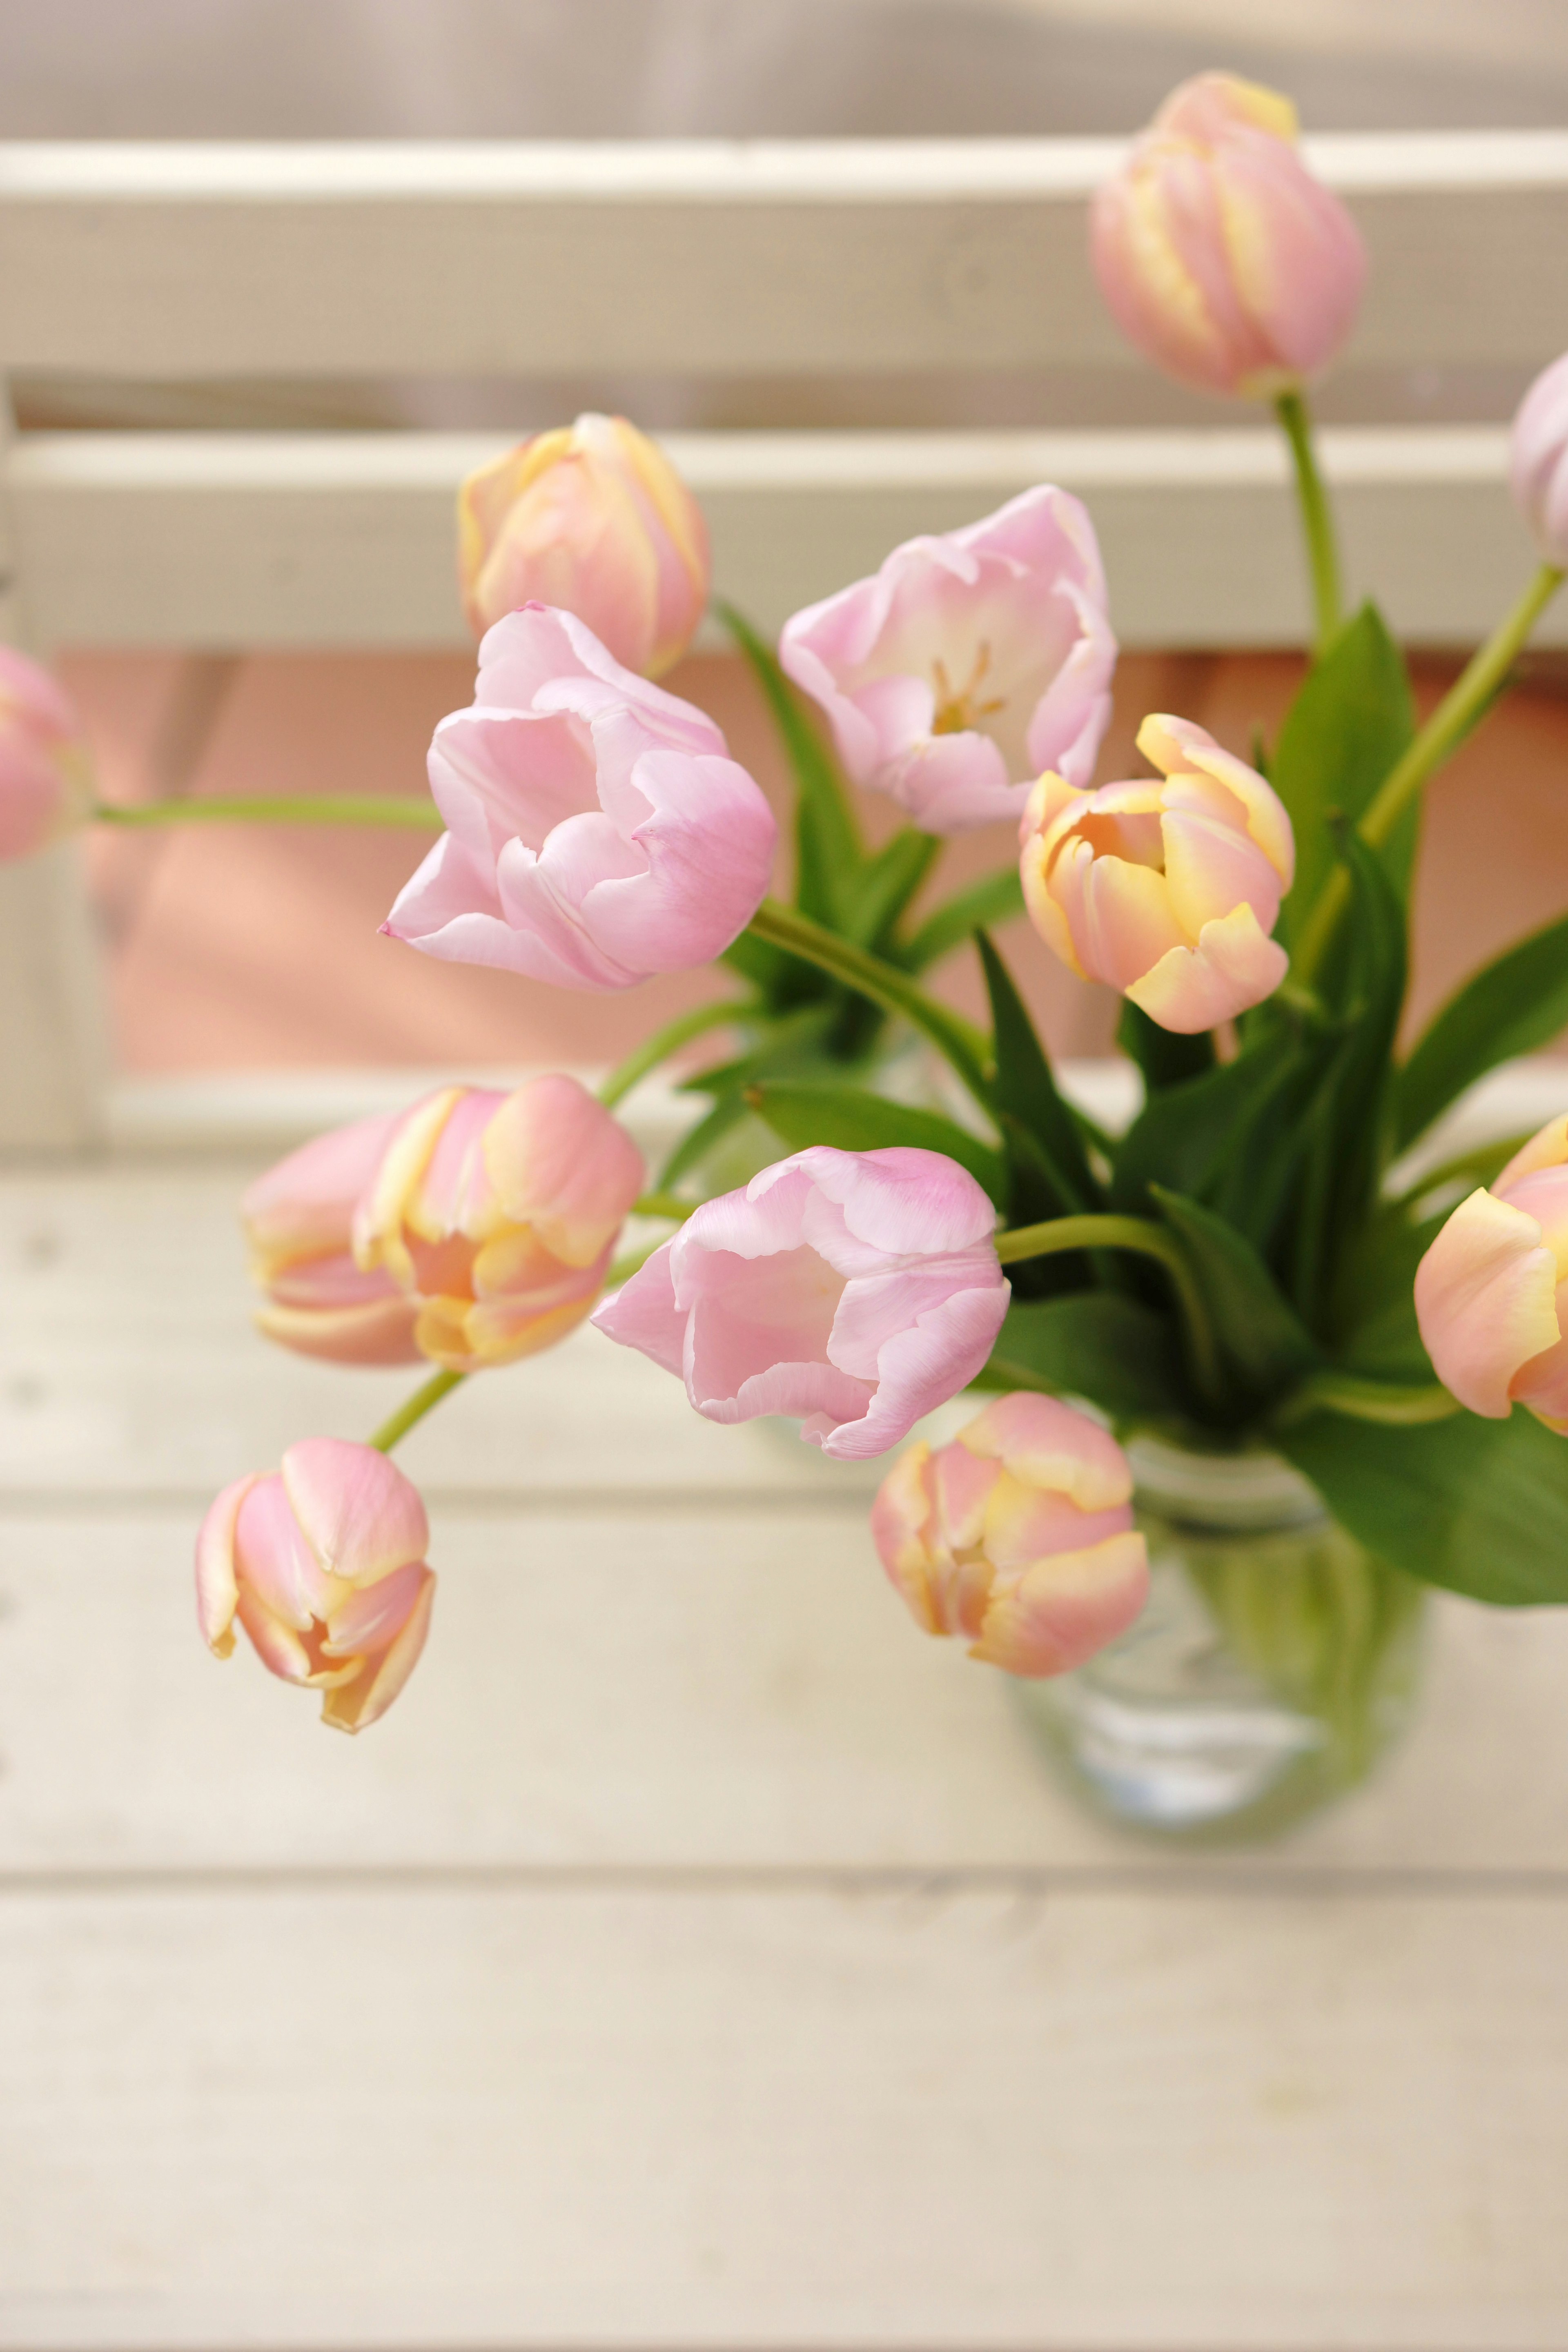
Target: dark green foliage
{"points": [[854, 1120], [1264, 1345], [1051, 1173], [1165, 1058], [1344, 732], [1094, 1343], [1513, 1005]]}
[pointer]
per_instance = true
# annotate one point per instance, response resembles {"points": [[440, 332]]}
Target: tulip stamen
{"points": [[957, 712]]}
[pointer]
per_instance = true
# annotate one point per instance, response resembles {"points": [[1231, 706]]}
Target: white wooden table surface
{"points": [[696, 1956]]}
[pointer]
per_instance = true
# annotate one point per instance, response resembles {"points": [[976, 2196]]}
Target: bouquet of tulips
{"points": [[1243, 1268]]}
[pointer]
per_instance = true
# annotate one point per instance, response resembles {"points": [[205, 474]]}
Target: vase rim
{"points": [[1250, 1489]]}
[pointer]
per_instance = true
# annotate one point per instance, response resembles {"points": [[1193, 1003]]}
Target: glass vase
{"points": [[1276, 1661]]}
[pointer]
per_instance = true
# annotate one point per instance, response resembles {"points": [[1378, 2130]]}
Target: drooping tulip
{"points": [[1017, 1537], [852, 1290], [1491, 1293], [969, 662], [1166, 889], [599, 830], [322, 1562], [591, 518], [1538, 461], [46, 776], [1221, 255], [473, 1230]]}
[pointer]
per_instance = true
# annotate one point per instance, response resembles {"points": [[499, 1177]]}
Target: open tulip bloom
{"points": [[1249, 1265]]}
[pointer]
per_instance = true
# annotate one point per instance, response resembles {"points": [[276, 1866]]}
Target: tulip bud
{"points": [[1491, 1293], [1538, 461], [852, 1290], [1220, 256], [474, 1229], [969, 662], [46, 779], [594, 519], [1166, 889], [323, 1564], [1017, 1537]]}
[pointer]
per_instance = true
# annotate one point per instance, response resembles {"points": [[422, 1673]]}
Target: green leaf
{"points": [[1190, 1135], [1263, 1344], [1375, 1306], [1024, 1090], [828, 849], [1165, 1058], [1099, 1344], [984, 905], [885, 884], [1512, 1006], [693, 1149], [1479, 1506], [1347, 726], [853, 1120]]}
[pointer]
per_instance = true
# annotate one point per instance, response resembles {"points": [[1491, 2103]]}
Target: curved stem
{"points": [[663, 1204], [401, 809], [667, 1041], [1134, 1233], [413, 1408], [884, 985], [1394, 1407], [1464, 703], [1317, 516]]}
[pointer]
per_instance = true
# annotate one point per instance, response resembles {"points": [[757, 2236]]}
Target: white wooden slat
{"points": [[249, 540], [704, 2116], [638, 1686], [169, 261]]}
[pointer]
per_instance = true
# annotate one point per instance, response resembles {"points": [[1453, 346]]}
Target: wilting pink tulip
{"points": [[970, 662], [473, 1229], [594, 519], [599, 830], [46, 780], [1538, 461], [1166, 889], [1491, 1293], [1017, 1537], [323, 1564], [1221, 257], [853, 1289]]}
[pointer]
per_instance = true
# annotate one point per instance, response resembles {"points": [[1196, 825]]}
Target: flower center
{"points": [[957, 710]]}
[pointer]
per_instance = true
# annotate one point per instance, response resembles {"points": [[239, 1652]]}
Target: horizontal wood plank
{"points": [[241, 541], [725, 1686], [515, 2117], [204, 261]]}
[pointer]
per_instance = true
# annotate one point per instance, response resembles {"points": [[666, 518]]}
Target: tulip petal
{"points": [[361, 1517], [560, 1163], [355, 1707], [1053, 1447], [1232, 967], [1060, 1611], [1485, 1301], [218, 1587]]}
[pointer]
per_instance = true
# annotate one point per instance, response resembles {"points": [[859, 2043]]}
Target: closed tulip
{"points": [[598, 830], [1219, 254], [594, 519], [474, 1229], [322, 1562], [1539, 461], [1491, 1293], [45, 778], [1166, 889], [851, 1290], [1017, 1537], [969, 662]]}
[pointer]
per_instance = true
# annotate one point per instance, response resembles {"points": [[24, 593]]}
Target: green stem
{"points": [[1384, 1402], [438, 1385], [1464, 703], [663, 1204], [1317, 517], [953, 1037], [1135, 1234], [667, 1041], [288, 808]]}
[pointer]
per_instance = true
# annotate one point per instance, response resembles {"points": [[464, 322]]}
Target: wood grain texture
{"points": [[242, 541]]}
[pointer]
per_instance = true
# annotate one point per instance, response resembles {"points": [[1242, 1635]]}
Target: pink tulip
{"points": [[1220, 256], [323, 1564], [474, 1229], [970, 662], [594, 519], [46, 780], [855, 1290], [1017, 1537], [599, 830], [1539, 461], [1165, 889], [1491, 1293]]}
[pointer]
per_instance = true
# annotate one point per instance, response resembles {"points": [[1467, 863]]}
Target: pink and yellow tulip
{"points": [[1491, 1293], [1538, 461], [46, 777]]}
